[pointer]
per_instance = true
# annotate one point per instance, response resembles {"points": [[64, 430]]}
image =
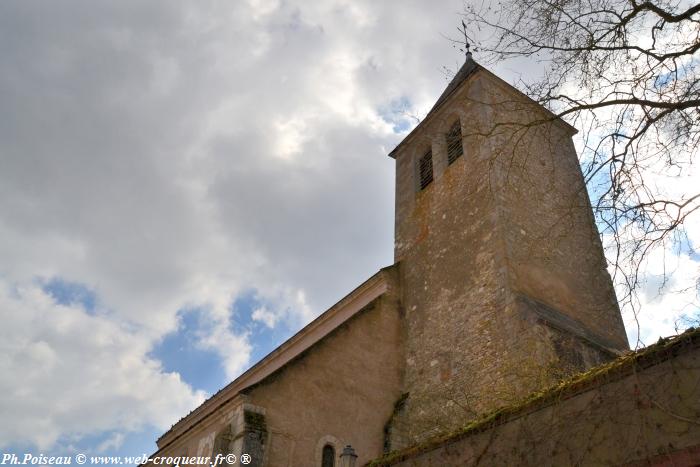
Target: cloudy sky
{"points": [[183, 186]]}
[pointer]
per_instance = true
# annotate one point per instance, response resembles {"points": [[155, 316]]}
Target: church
{"points": [[499, 288]]}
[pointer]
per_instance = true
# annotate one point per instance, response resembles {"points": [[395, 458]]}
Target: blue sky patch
{"points": [[202, 368], [178, 352], [263, 339], [399, 113], [70, 293]]}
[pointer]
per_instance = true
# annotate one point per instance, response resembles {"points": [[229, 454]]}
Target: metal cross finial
{"points": [[467, 52]]}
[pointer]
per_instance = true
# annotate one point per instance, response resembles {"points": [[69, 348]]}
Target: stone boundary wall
{"points": [[641, 409]]}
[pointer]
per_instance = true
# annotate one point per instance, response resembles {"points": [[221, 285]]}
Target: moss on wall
{"points": [[624, 370]]}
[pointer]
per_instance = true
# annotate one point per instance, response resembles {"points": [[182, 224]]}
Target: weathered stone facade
{"points": [[313, 400], [357, 365], [640, 410], [502, 272], [499, 288]]}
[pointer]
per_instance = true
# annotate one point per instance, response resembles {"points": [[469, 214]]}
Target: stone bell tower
{"points": [[504, 282]]}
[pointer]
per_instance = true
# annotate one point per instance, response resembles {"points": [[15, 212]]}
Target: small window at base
{"points": [[328, 458], [454, 142], [425, 169]]}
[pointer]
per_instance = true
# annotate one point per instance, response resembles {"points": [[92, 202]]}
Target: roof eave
{"points": [[308, 336]]}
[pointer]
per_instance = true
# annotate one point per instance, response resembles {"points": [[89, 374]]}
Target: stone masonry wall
{"points": [[341, 391], [641, 410], [553, 251], [503, 294], [559, 292], [453, 290]]}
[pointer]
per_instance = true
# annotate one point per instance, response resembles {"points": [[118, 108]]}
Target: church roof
{"points": [[311, 334], [468, 68]]}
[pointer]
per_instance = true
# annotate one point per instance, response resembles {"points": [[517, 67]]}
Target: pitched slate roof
{"points": [[469, 68]]}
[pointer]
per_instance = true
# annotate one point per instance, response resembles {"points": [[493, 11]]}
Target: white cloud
{"points": [[113, 442], [171, 155], [65, 372], [289, 306], [264, 315], [668, 291]]}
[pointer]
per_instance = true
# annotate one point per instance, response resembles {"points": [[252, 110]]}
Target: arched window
{"points": [[454, 142], [328, 458]]}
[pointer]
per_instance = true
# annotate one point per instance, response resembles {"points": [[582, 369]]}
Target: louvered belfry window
{"points": [[425, 169], [454, 142]]}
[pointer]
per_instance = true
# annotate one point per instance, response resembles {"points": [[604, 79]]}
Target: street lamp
{"points": [[348, 457]]}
